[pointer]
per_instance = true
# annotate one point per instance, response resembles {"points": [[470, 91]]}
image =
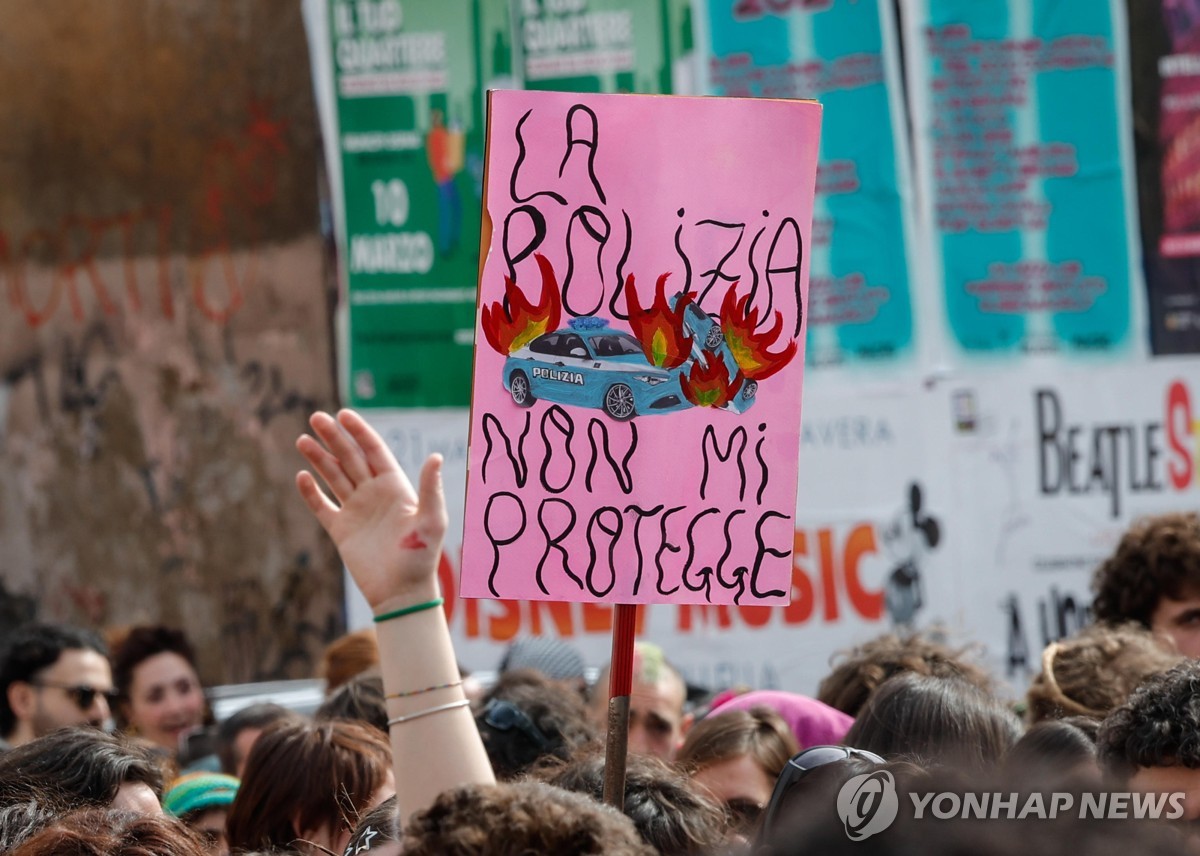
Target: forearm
{"points": [[390, 536], [437, 751]]}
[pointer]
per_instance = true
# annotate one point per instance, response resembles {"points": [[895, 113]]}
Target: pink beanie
{"points": [[813, 722]]}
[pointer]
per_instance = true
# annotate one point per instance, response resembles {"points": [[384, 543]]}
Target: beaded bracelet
{"points": [[457, 683], [441, 708], [409, 610]]}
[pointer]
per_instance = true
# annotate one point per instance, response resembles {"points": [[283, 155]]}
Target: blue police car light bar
{"points": [[587, 322]]}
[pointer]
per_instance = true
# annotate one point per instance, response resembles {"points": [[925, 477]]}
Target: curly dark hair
{"points": [[1158, 727], [1157, 557], [670, 811], [517, 818], [555, 711], [865, 667], [139, 644]]}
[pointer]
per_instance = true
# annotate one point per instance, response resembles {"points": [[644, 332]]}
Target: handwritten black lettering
{"points": [[520, 467], [559, 419], [498, 542], [591, 143], [763, 551], [754, 277], [614, 533], [710, 439], [762, 463], [791, 264], [538, 222], [619, 291], [554, 542], [583, 215], [512, 182], [736, 582], [717, 272], [666, 547], [705, 573], [687, 264], [642, 514], [621, 471]]}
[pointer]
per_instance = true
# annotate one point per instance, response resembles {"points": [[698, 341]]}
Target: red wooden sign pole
{"points": [[620, 677]]}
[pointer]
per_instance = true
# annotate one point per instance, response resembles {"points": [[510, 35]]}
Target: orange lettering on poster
{"points": [[867, 603], [560, 614], [828, 583], [598, 618]]}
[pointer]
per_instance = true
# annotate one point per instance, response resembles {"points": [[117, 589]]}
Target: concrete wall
{"points": [[164, 326]]}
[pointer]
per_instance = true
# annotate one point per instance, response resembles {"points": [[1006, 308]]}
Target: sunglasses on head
{"points": [[83, 695], [799, 766], [505, 716]]}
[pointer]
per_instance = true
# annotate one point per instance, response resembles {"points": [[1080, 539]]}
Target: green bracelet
{"points": [[409, 610]]}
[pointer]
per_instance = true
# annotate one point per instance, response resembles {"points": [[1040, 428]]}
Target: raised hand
{"points": [[388, 533]]}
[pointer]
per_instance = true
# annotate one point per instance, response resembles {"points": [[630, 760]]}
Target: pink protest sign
{"points": [[635, 421]]}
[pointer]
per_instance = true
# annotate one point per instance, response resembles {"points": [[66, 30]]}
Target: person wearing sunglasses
{"points": [[52, 677], [815, 773]]}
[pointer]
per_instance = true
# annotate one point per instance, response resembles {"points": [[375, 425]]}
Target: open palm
{"points": [[388, 533]]}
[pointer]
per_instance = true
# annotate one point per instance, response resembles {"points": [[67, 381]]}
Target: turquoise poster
{"points": [[1022, 136], [843, 54]]}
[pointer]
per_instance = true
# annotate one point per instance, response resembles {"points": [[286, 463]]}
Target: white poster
{"points": [[1053, 467]]}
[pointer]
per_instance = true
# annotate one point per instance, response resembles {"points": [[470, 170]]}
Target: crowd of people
{"points": [[408, 755]]}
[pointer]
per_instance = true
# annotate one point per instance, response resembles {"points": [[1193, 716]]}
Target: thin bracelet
{"points": [[457, 683], [409, 610], [441, 708]]}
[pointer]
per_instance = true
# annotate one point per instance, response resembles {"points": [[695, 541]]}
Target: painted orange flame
{"points": [[709, 385], [749, 348], [658, 327], [509, 329]]}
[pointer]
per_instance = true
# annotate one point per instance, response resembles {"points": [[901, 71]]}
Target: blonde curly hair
{"points": [[1096, 670]]}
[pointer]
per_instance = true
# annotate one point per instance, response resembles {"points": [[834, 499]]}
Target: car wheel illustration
{"points": [[518, 385], [618, 402]]}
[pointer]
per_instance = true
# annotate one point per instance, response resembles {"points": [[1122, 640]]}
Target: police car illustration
{"points": [[590, 364]]}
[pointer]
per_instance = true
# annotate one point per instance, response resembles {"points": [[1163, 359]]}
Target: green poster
{"points": [[595, 45], [409, 79]]}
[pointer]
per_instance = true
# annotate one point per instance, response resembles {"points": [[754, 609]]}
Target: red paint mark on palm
{"points": [[413, 542]]}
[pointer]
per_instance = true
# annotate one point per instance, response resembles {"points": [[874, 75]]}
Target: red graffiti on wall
{"points": [[239, 178]]}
